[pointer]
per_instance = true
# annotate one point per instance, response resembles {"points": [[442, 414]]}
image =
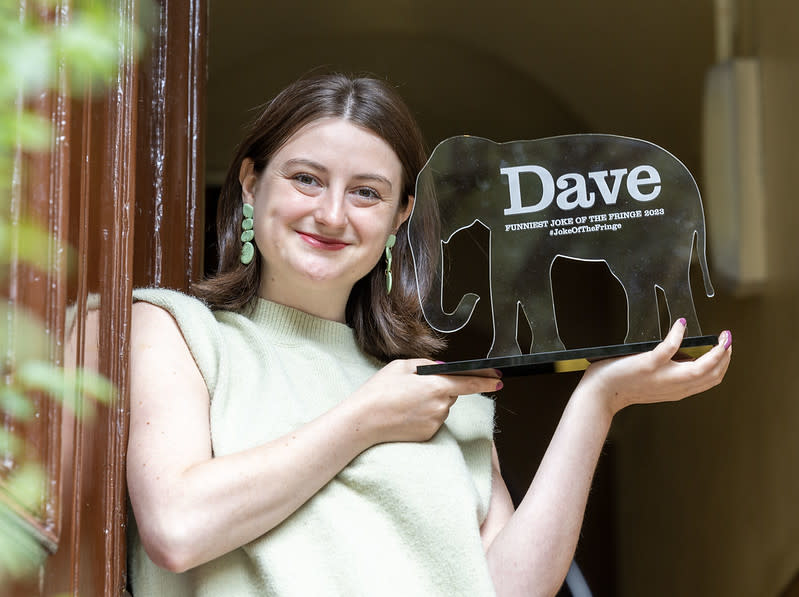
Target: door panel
{"points": [[169, 162], [121, 159]]}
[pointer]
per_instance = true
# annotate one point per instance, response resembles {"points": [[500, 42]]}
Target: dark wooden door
{"points": [[123, 189]]}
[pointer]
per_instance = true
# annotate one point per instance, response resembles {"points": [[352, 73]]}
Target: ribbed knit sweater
{"points": [[401, 519]]}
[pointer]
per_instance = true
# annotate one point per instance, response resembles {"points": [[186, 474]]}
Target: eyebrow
{"points": [[325, 170]]}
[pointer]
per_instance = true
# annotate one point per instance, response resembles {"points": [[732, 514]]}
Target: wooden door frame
{"points": [[128, 161]]}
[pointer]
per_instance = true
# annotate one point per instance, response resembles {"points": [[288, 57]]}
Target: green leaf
{"points": [[68, 386], [28, 129], [10, 443], [27, 58], [33, 132], [95, 385], [20, 552], [26, 486], [16, 403], [6, 170], [29, 242], [46, 377], [30, 339], [90, 46], [5, 240], [47, 3]]}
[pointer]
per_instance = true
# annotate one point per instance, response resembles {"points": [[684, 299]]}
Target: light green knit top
{"points": [[401, 519]]}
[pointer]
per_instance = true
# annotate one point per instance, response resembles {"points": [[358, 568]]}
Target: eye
{"points": [[305, 179], [367, 193]]}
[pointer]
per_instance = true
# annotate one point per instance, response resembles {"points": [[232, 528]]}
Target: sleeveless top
{"points": [[401, 519]]}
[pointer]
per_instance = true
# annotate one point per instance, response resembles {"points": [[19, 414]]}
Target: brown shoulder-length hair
{"points": [[386, 326]]}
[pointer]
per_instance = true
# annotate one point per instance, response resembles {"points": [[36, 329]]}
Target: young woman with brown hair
{"points": [[281, 442]]}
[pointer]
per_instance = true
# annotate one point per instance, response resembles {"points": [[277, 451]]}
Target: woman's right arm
{"points": [[191, 508]]}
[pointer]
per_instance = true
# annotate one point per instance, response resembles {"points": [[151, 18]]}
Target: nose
{"points": [[331, 210]]}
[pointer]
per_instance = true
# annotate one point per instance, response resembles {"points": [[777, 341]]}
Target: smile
{"points": [[321, 242]]}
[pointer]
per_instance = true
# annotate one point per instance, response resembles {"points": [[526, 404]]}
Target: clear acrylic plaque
{"points": [[603, 198]]}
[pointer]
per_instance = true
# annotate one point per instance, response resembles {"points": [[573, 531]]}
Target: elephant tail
{"points": [[701, 246]]}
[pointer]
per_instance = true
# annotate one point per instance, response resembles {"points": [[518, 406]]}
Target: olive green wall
{"points": [[708, 490]]}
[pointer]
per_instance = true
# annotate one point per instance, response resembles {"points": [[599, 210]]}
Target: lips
{"points": [[322, 242]]}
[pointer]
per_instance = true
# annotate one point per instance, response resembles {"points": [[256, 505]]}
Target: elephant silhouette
{"points": [[591, 197]]}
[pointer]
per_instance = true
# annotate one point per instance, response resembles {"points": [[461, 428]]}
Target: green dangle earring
{"points": [[389, 244], [247, 234]]}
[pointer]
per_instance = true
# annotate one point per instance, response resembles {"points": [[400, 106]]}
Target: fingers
{"points": [[470, 384], [719, 353], [708, 370], [727, 335], [406, 406], [458, 384], [715, 362], [671, 343], [492, 373]]}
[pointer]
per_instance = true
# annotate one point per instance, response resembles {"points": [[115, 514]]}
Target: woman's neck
{"points": [[327, 303]]}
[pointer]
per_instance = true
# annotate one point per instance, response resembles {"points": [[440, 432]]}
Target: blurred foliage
{"points": [[44, 45]]}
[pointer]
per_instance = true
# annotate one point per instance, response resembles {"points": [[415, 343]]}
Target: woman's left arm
{"points": [[529, 551]]}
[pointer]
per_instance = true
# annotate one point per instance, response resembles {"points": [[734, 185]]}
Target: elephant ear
{"points": [[436, 217]]}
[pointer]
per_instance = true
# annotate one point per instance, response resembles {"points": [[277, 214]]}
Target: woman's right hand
{"points": [[400, 405], [192, 506]]}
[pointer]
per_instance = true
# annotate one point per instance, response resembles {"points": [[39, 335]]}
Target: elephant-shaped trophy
{"points": [[590, 197]]}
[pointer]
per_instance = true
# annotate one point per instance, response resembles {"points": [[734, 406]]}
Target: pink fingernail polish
{"points": [[728, 341], [440, 362], [499, 385], [682, 321], [498, 372]]}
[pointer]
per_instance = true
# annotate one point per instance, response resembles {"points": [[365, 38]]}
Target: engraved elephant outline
{"points": [[463, 176]]}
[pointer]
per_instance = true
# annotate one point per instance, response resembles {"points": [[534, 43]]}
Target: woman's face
{"points": [[323, 209]]}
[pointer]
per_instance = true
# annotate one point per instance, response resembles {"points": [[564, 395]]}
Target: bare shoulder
{"points": [[154, 328], [158, 348], [148, 318]]}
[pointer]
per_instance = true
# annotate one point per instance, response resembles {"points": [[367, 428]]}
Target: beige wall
{"points": [[709, 489]]}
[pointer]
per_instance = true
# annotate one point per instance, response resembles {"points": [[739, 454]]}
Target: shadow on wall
{"points": [[451, 88]]}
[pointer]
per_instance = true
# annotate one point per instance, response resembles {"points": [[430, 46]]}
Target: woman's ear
{"points": [[248, 180], [404, 213]]}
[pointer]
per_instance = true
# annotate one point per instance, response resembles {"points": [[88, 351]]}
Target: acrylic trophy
{"points": [[622, 201]]}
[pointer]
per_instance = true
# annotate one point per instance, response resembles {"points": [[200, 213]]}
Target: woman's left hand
{"points": [[530, 550], [654, 376]]}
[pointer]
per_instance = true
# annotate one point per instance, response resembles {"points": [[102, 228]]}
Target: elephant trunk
{"points": [[433, 304], [427, 252]]}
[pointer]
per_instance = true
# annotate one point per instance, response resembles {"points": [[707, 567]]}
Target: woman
{"points": [[281, 442]]}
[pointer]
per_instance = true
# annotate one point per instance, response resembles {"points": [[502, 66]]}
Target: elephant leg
{"points": [[504, 314], [681, 304], [643, 321], [529, 285], [539, 309]]}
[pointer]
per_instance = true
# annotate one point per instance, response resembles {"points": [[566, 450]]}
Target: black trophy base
{"points": [[562, 361]]}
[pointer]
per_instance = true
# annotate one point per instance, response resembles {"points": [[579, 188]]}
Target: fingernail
{"points": [[499, 385], [682, 321], [498, 372], [440, 362], [728, 341]]}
